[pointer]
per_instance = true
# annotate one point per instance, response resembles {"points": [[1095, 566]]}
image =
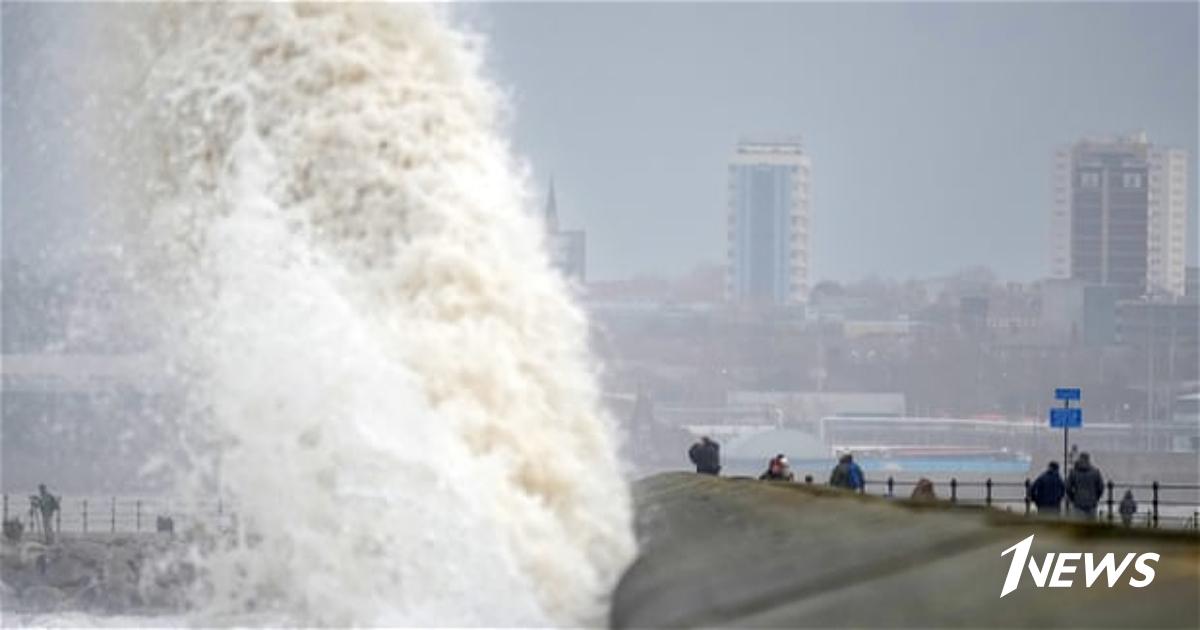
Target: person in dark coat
{"points": [[1047, 491], [846, 474], [1085, 487], [47, 504], [706, 455], [1128, 508], [778, 470]]}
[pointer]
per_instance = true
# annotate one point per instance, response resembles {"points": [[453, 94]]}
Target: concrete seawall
{"points": [[744, 553]]}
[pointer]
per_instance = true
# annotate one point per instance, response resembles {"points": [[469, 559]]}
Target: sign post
{"points": [[1066, 417]]}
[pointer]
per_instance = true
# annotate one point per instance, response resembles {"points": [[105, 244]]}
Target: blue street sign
{"points": [[1066, 393], [1066, 418]]}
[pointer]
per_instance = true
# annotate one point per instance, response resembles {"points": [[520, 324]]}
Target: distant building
{"points": [[1100, 315], [1165, 337], [568, 248], [1192, 283], [768, 223], [1119, 216], [973, 314]]}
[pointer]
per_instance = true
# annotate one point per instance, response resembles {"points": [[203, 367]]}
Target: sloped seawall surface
{"points": [[722, 552]]}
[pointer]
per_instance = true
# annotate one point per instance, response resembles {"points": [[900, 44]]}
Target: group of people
{"points": [[1083, 490], [706, 456]]}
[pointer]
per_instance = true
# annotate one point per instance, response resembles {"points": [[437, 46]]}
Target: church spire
{"points": [[551, 210]]}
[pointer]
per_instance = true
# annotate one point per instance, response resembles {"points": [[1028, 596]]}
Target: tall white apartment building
{"points": [[768, 223], [1168, 231]]}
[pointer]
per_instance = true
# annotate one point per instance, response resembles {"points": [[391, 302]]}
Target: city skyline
{"points": [[929, 126]]}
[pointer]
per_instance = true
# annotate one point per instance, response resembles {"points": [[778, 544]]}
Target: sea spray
{"points": [[383, 372]]}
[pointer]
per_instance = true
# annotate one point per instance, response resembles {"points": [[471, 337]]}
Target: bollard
{"points": [[137, 511], [114, 515], [58, 520], [1154, 501], [1027, 501], [953, 490], [988, 499], [1110, 501], [891, 486], [85, 516]]}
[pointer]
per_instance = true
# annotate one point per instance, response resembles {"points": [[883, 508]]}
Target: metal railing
{"points": [[94, 514], [1167, 506]]}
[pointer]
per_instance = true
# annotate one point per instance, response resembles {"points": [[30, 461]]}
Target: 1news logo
{"points": [[1064, 564]]}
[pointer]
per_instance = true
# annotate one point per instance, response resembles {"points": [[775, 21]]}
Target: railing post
{"points": [[114, 515], [6, 507], [85, 516], [138, 516], [1154, 501], [988, 484], [1027, 501], [953, 490], [58, 520], [1110, 501], [891, 486]]}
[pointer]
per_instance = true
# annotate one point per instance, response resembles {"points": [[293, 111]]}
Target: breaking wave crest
{"points": [[385, 374]]}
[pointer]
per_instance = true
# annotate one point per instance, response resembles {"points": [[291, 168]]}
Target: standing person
{"points": [[1128, 508], [778, 470], [1085, 487], [706, 455], [847, 474], [1047, 491], [48, 505]]}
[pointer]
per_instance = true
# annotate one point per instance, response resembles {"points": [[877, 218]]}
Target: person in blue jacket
{"points": [[847, 474]]}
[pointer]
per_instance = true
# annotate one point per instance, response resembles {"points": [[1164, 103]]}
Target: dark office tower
{"points": [[1120, 215]]}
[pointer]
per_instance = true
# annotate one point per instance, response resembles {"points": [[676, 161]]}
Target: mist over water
{"points": [[382, 372]]}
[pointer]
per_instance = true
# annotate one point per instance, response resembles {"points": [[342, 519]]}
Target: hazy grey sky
{"points": [[931, 126]]}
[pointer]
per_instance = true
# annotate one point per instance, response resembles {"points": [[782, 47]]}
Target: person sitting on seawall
{"points": [[923, 491], [778, 470], [1047, 490], [847, 474], [706, 455], [1085, 487], [1128, 508]]}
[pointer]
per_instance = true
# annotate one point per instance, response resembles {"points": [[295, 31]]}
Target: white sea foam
{"points": [[391, 383]]}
